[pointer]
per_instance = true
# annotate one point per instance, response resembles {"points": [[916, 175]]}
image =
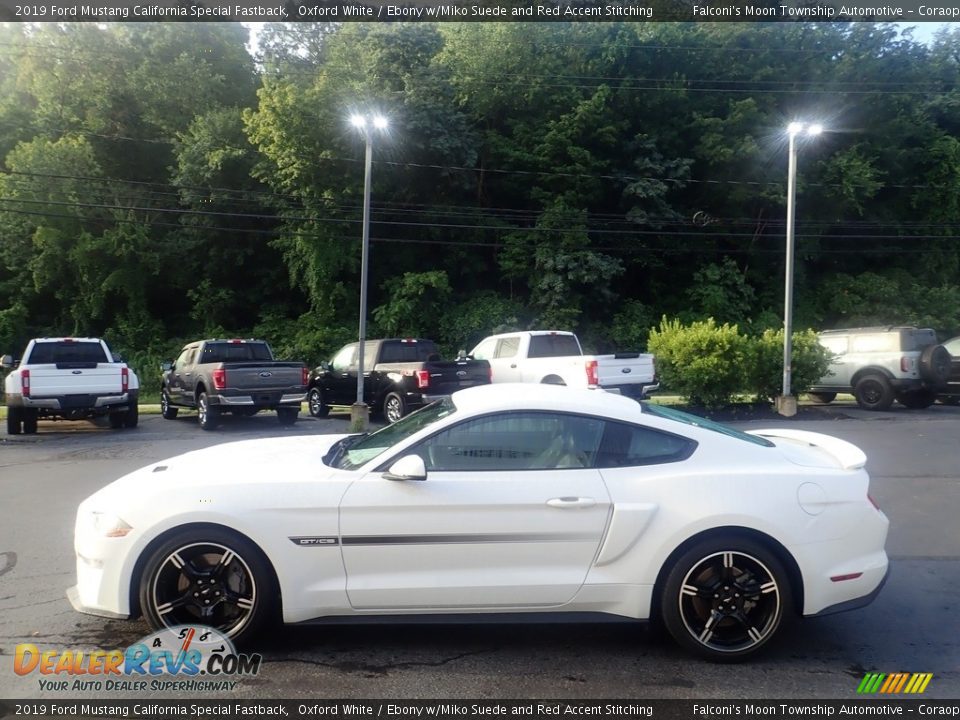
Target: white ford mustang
{"points": [[500, 499]]}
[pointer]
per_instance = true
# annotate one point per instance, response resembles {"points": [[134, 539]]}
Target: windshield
{"points": [[688, 419], [352, 452]]}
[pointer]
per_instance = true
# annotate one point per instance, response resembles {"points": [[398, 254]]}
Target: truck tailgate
{"points": [[625, 369], [448, 376], [259, 376], [72, 379]]}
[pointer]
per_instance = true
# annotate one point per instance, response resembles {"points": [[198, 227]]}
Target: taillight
{"points": [[423, 379], [304, 376], [124, 379], [219, 379], [904, 363], [592, 375], [490, 373], [25, 382], [873, 502]]}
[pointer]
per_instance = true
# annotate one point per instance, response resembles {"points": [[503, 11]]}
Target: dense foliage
{"points": [[158, 183]]}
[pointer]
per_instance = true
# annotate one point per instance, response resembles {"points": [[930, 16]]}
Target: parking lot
{"points": [[914, 625]]}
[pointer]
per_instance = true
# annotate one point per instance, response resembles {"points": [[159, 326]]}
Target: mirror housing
{"points": [[409, 467], [118, 358], [166, 366], [7, 363]]}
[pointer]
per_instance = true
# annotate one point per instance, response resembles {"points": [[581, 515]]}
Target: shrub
{"points": [[809, 362], [703, 362]]}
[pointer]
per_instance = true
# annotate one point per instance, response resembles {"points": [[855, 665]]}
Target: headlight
{"points": [[109, 525]]}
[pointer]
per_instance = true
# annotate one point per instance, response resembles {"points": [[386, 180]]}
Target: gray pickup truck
{"points": [[234, 376]]}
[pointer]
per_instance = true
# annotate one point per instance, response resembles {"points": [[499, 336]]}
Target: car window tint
{"points": [[553, 346], [235, 352], [515, 441], [47, 353], [630, 445], [398, 351]]}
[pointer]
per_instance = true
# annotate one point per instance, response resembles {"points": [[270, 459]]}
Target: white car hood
{"points": [[811, 449], [234, 463]]}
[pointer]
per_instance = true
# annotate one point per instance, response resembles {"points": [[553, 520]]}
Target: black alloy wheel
{"points": [[208, 416], [318, 408], [132, 417], [14, 420], [208, 577], [917, 399], [873, 392], [394, 407], [168, 411], [287, 415], [725, 599]]}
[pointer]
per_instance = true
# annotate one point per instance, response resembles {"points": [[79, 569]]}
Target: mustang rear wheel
{"points": [[725, 598], [208, 577]]}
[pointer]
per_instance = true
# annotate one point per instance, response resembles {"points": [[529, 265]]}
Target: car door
{"points": [[511, 514], [340, 383], [180, 374], [504, 364]]}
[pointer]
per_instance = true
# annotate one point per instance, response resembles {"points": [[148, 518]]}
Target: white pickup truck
{"points": [[70, 378], [555, 357]]}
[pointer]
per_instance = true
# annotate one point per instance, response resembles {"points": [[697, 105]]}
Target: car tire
{"points": [[132, 417], [287, 416], [824, 398], [116, 420], [168, 411], [873, 392], [208, 415], [935, 361], [394, 407], [209, 576], [725, 598], [14, 420], [318, 408], [917, 399], [29, 421]]}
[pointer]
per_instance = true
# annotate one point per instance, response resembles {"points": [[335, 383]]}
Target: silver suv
{"points": [[882, 364]]}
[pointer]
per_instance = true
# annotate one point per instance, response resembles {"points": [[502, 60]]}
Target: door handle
{"points": [[571, 502], [513, 366]]}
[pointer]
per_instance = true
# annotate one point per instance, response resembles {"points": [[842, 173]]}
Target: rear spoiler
{"points": [[847, 455]]}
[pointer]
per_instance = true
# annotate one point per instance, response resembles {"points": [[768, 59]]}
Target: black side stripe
{"points": [[460, 539]]}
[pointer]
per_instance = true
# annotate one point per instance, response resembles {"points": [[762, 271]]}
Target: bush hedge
{"points": [[710, 364]]}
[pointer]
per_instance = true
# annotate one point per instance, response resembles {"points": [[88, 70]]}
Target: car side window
{"points": [[630, 446], [836, 345], [185, 358], [344, 359], [484, 351], [514, 441], [953, 346], [507, 347]]}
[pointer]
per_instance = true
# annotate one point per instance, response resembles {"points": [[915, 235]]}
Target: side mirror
{"points": [[325, 366], [118, 358], [6, 362], [462, 355], [409, 467], [166, 366]]}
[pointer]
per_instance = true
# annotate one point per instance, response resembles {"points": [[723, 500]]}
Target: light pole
{"points": [[786, 403], [359, 412]]}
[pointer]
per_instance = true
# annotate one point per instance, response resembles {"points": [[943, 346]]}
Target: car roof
{"points": [[560, 398]]}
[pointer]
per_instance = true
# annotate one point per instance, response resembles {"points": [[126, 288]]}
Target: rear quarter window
{"points": [[542, 346], [630, 446]]}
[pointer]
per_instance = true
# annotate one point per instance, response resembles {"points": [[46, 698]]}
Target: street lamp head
{"points": [[380, 122], [798, 128], [358, 121], [815, 129], [794, 128]]}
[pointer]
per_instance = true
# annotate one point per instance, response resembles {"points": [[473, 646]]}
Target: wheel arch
{"points": [[870, 370], [733, 531], [553, 379], [200, 388], [136, 576]]}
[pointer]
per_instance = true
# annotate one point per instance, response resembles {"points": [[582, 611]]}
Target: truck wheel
{"points": [[873, 392], [318, 408], [116, 420], [29, 421], [394, 408], [287, 415], [209, 416], [168, 411], [132, 416], [14, 420]]}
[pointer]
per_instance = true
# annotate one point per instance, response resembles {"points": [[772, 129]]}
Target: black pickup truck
{"points": [[400, 375], [236, 376]]}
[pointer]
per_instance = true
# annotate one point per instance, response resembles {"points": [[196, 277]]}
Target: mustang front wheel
{"points": [[724, 599], [208, 577]]}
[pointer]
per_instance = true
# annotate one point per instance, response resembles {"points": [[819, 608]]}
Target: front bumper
{"points": [[73, 595]]}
